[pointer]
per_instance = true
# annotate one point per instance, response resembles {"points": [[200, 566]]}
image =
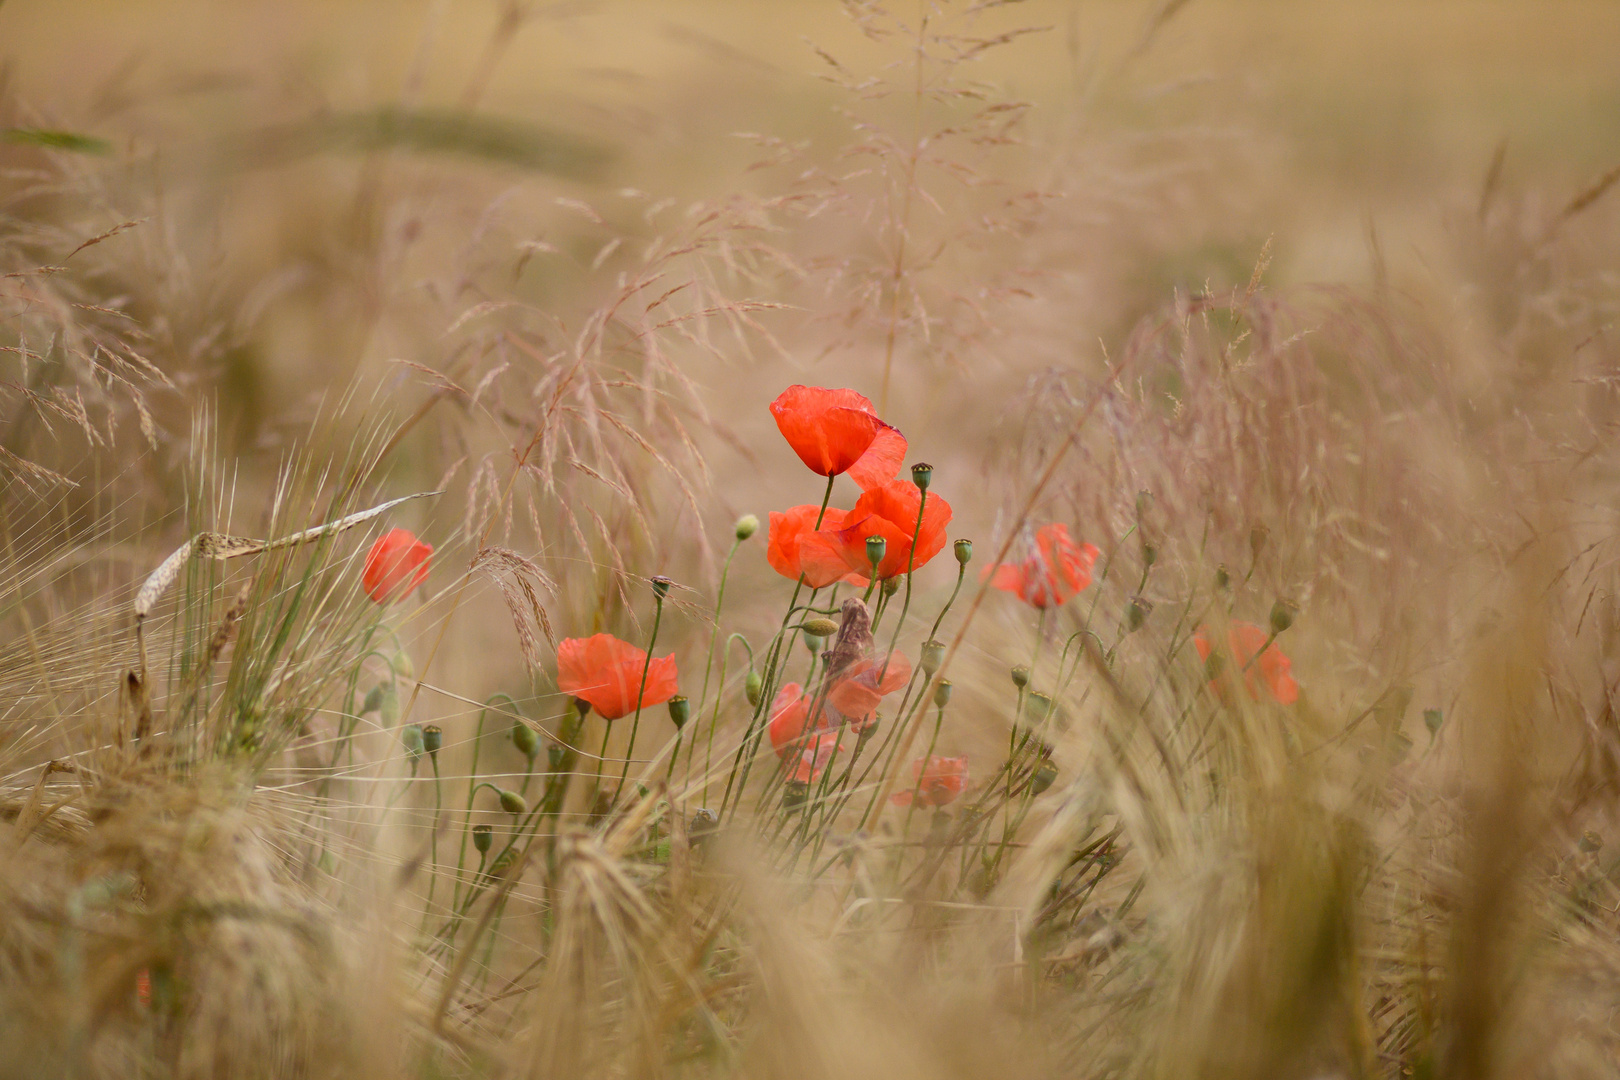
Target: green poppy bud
{"points": [[432, 739], [1037, 706], [812, 644], [1020, 676], [942, 693], [525, 739], [1045, 775], [1432, 720], [753, 687], [388, 709], [513, 803], [875, 548], [1282, 616], [1136, 613], [556, 753], [503, 862], [747, 526], [931, 656], [1223, 577], [794, 793], [821, 628], [1150, 555], [483, 837], [374, 699], [661, 585], [415, 743], [1257, 541], [680, 710], [891, 586], [922, 475]]}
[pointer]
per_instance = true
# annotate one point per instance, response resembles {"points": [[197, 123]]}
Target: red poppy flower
{"points": [[1057, 569], [858, 691], [837, 431], [790, 720], [939, 781], [782, 549], [606, 672], [889, 511], [396, 564], [1272, 670], [815, 758], [143, 987]]}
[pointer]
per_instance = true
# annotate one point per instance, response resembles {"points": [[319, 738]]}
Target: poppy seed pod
{"points": [[931, 656], [432, 739], [964, 552], [1432, 719], [747, 526], [1223, 577], [942, 693], [582, 707], [1590, 841], [922, 475], [503, 862], [753, 687], [793, 794], [525, 739], [1044, 777], [412, 737], [1282, 616], [374, 699], [513, 803], [555, 754], [891, 586], [875, 547], [1038, 706], [821, 628], [483, 837], [1144, 502], [661, 585], [1150, 554], [1136, 613], [680, 710], [1257, 541], [1020, 676]]}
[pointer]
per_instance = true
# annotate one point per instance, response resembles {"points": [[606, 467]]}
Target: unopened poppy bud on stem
{"points": [[415, 743], [524, 738], [891, 586], [942, 693], [747, 526], [931, 656], [1282, 616], [513, 803], [483, 837], [821, 628], [1150, 554], [753, 687], [555, 753], [680, 710], [921, 475], [964, 551], [1136, 613], [1045, 776], [1223, 577], [1020, 676]]}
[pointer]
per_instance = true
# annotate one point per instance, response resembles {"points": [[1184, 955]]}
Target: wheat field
{"points": [[798, 539]]}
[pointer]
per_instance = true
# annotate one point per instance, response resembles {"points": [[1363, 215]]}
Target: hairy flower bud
{"points": [[513, 803], [483, 837], [525, 739], [753, 687], [821, 628], [415, 743], [747, 526], [680, 710]]}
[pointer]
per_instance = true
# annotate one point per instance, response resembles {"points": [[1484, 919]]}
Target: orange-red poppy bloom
{"points": [[790, 720], [1054, 572], [143, 987], [838, 431], [939, 780], [889, 511], [606, 672], [1272, 671], [788, 529], [396, 564], [856, 694], [815, 757]]}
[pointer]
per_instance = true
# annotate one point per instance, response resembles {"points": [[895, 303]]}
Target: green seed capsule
{"points": [[942, 693], [1020, 676], [922, 475], [483, 837], [1282, 616], [964, 551], [415, 742], [556, 753], [753, 686], [1045, 776], [1037, 706], [513, 803], [432, 739], [525, 739], [876, 546], [680, 710], [931, 656]]}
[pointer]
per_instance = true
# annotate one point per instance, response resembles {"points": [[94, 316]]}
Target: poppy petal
{"points": [[882, 461]]}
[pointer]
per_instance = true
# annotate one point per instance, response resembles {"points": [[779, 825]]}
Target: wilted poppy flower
{"points": [[939, 780], [856, 694], [889, 511], [837, 431], [396, 564], [1054, 572], [815, 758], [790, 527], [1272, 670], [606, 672]]}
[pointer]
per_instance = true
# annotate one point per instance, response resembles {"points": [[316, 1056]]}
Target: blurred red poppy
{"points": [[815, 758], [606, 672], [939, 780], [790, 720], [837, 431], [143, 987], [1272, 670], [1052, 574], [856, 694], [787, 530], [396, 564], [889, 511]]}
